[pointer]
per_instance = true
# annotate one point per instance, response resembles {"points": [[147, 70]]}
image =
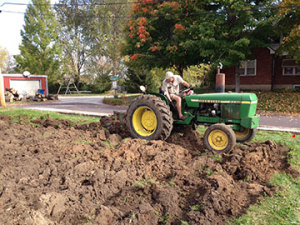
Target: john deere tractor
{"points": [[230, 117]]}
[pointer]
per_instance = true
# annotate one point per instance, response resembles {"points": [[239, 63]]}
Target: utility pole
{"points": [[2, 98]]}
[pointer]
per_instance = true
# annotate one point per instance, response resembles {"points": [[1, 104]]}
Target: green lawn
{"points": [[284, 207], [123, 100], [20, 114]]}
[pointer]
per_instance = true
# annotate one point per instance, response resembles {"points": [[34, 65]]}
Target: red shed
{"points": [[26, 85]]}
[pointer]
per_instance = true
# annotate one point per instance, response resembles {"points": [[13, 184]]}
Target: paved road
{"points": [[94, 106], [85, 105], [280, 121]]}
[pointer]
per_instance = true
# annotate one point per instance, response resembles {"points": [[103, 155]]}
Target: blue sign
{"points": [[114, 78]]}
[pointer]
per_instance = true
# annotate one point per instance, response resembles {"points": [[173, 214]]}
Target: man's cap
{"points": [[169, 74]]}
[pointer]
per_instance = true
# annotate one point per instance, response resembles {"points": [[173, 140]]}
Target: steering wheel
{"points": [[186, 91]]}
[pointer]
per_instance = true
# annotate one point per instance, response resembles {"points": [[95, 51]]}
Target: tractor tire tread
{"points": [[158, 105]]}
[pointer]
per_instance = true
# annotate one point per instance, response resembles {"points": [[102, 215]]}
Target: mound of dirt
{"points": [[97, 174]]}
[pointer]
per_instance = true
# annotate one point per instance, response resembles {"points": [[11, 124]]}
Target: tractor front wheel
{"points": [[245, 134], [219, 138], [149, 117]]}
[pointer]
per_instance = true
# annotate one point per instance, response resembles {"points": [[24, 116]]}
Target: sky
{"points": [[11, 24]]}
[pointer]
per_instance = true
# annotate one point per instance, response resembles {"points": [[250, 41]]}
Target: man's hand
{"points": [[170, 100]]}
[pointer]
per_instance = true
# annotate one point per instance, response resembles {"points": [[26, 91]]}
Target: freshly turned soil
{"points": [[97, 174]]}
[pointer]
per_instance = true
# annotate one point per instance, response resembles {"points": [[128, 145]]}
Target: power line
{"points": [[7, 11], [160, 16], [104, 3], [77, 4]]}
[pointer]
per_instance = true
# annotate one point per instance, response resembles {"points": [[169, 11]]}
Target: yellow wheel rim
{"points": [[218, 140], [240, 135], [144, 121]]}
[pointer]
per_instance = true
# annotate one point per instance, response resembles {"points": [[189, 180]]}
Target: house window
{"points": [[248, 68], [290, 67]]}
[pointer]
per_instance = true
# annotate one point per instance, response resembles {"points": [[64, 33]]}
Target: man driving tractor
{"points": [[170, 88]]}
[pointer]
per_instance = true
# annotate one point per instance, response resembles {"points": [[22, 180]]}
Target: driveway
{"points": [[94, 106], [82, 105]]}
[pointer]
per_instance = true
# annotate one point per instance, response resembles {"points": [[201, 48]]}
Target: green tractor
{"points": [[230, 117]]}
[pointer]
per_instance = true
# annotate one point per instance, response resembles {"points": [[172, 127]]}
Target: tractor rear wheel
{"points": [[245, 134], [219, 138], [149, 117]]}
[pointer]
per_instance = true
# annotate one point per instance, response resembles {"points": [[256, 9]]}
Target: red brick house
{"points": [[266, 72]]}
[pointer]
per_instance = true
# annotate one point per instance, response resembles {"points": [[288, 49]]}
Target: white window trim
{"points": [[295, 86], [294, 69], [255, 69]]}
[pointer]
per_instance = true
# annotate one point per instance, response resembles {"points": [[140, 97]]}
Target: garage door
{"points": [[26, 87]]}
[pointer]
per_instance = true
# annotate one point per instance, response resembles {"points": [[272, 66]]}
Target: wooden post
{"points": [[2, 98]]}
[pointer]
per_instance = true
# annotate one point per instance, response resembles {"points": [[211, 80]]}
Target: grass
{"points": [[29, 102], [217, 158], [197, 208], [286, 139], [284, 207], [123, 100], [114, 101], [21, 114], [183, 222], [143, 183]]}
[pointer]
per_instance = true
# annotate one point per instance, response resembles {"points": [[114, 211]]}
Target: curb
{"points": [[84, 113], [281, 129]]}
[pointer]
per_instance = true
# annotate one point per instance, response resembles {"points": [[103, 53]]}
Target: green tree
{"points": [[289, 26], [73, 20], [157, 35], [3, 58], [107, 31], [40, 51], [91, 30], [99, 79], [137, 77], [235, 30], [195, 74], [183, 33]]}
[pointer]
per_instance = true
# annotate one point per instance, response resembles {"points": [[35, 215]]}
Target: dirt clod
{"points": [[97, 174]]}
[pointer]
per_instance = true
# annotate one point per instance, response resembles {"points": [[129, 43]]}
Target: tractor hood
{"points": [[225, 98]]}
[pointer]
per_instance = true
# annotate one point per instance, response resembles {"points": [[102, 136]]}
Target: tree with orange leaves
{"points": [[157, 35], [181, 33], [289, 27]]}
